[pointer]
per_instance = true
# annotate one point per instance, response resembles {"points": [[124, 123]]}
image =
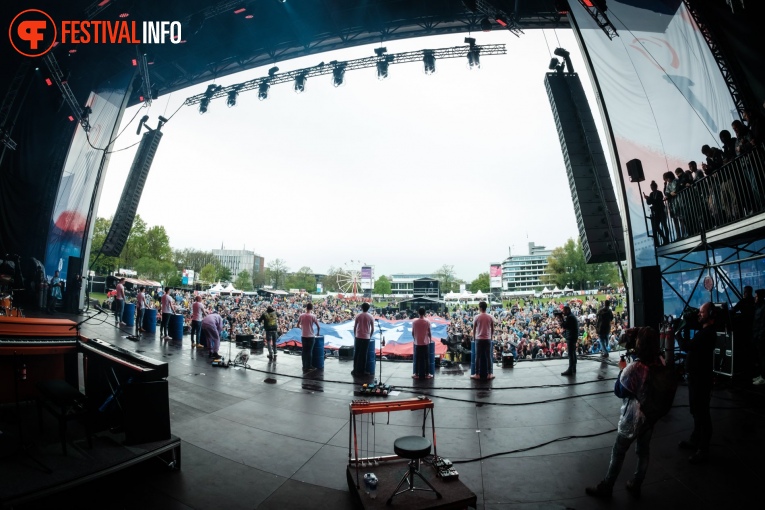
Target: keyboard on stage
{"points": [[149, 368]]}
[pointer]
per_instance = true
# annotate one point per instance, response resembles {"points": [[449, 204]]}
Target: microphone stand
{"points": [[382, 344]]}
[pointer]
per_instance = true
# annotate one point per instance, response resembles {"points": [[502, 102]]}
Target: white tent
{"points": [[556, 291], [545, 291], [215, 289], [231, 290], [479, 295]]}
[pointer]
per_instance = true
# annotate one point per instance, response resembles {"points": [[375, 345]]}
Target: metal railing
{"points": [[733, 193]]}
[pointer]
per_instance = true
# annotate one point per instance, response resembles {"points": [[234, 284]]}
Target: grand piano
{"points": [[125, 389]]}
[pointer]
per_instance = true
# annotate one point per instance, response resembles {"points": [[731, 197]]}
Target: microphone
{"points": [[98, 307]]}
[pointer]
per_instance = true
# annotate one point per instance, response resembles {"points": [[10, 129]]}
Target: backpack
{"points": [[270, 320], [659, 394]]}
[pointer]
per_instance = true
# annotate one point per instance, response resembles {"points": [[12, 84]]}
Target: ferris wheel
{"points": [[349, 278]]}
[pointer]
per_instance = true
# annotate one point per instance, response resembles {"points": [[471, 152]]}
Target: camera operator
{"points": [[698, 365], [631, 387]]}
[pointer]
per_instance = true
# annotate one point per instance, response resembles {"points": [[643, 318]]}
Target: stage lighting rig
{"points": [[338, 73], [300, 80], [485, 25], [141, 124], [263, 90], [473, 55], [429, 62], [231, 100], [491, 11], [597, 10], [58, 77], [337, 69]]}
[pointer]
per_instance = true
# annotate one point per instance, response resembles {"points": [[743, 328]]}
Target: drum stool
{"points": [[414, 448]]}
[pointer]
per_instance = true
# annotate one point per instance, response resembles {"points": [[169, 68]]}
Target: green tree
{"points": [[103, 264], [382, 285], [223, 274], [481, 283], [193, 259], [175, 280], [303, 279], [330, 281], [259, 279], [277, 272], [208, 272], [243, 280], [566, 266], [446, 276], [135, 246], [156, 244]]}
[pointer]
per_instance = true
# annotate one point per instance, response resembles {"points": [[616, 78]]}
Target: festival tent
{"points": [[215, 289], [397, 334], [230, 289], [556, 291]]}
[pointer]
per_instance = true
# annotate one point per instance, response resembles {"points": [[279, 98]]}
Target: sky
{"points": [[406, 175]]}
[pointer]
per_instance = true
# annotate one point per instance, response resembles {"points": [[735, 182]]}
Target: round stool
{"points": [[413, 448]]}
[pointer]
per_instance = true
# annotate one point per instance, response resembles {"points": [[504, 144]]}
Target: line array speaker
{"points": [[131, 194], [592, 192], [648, 296]]}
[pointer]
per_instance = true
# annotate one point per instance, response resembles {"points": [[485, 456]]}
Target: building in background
{"points": [[240, 260], [525, 273], [402, 284]]}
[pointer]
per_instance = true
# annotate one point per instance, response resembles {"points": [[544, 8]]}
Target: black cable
{"points": [[528, 448]]}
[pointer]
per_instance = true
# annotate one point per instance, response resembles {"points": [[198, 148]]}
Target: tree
{"points": [[243, 280], [135, 246], [208, 273], [566, 266], [481, 283], [156, 244], [103, 264], [446, 276], [303, 279], [330, 281], [259, 279], [222, 274], [382, 285], [277, 272]]}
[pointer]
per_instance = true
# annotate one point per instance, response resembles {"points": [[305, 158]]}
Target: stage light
{"points": [[566, 57], [338, 75], [473, 55], [231, 101], [203, 104], [382, 70], [263, 90], [273, 71], [240, 10], [486, 25], [553, 64], [300, 82], [502, 21], [429, 61]]}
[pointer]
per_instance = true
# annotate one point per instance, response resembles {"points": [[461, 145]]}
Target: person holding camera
{"points": [[698, 365], [631, 386], [571, 331]]}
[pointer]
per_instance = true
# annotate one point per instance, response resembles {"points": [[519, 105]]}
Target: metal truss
{"points": [[597, 9], [57, 76], [334, 40], [361, 63], [8, 101], [710, 265], [727, 68], [510, 22]]}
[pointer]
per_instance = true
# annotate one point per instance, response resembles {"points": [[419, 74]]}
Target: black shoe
{"points": [[686, 445], [602, 490], [700, 457], [569, 372], [270, 357]]}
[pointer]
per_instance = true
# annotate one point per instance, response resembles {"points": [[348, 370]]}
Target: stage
{"points": [[269, 438]]}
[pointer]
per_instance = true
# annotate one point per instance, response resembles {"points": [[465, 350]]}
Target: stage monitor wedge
{"points": [[131, 194], [592, 191]]}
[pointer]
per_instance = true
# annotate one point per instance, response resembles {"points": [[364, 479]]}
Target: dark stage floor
{"points": [[270, 438]]}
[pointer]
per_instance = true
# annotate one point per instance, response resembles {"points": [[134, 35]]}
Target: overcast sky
{"points": [[406, 175]]}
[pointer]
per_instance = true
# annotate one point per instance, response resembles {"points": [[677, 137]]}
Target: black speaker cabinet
{"points": [[346, 352], [723, 354], [648, 296], [635, 170], [244, 340], [257, 345], [508, 360], [147, 412]]}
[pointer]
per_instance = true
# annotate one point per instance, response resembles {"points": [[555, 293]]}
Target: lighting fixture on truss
{"points": [[382, 63], [473, 55], [597, 10], [337, 70]]}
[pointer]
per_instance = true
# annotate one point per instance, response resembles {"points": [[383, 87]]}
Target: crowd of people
{"points": [[528, 329], [699, 199]]}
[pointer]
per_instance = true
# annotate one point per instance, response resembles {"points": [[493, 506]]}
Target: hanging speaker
{"points": [[635, 170]]}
